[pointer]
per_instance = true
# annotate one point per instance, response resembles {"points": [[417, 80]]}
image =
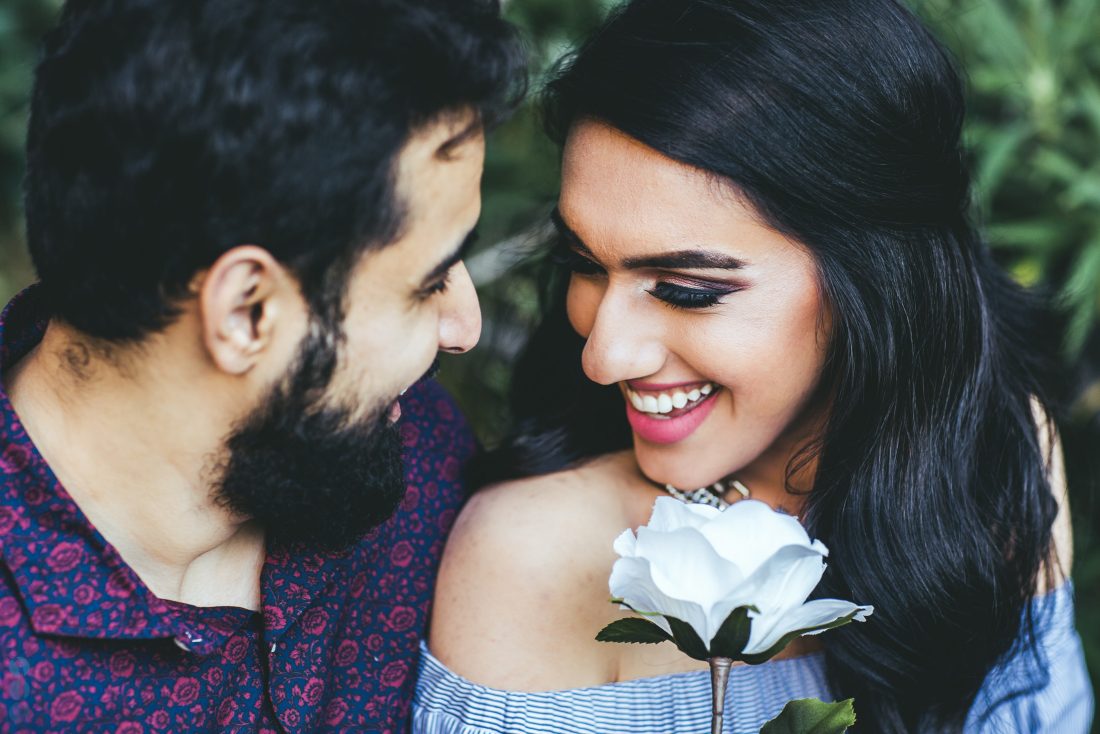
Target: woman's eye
{"points": [[682, 297], [568, 258]]}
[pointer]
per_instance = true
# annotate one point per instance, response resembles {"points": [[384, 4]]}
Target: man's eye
{"points": [[440, 286], [681, 297]]}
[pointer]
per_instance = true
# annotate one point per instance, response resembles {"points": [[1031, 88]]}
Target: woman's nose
{"points": [[460, 318], [622, 345]]}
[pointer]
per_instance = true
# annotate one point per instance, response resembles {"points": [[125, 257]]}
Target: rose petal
{"points": [[768, 629], [785, 580], [684, 566], [671, 514], [782, 582], [625, 543], [631, 582], [750, 531]]}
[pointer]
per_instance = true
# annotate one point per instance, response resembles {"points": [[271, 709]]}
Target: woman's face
{"points": [[712, 324]]}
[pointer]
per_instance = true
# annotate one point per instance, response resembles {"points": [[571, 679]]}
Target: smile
{"points": [[671, 414]]}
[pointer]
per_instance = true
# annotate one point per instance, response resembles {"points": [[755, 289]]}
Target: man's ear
{"points": [[242, 298]]}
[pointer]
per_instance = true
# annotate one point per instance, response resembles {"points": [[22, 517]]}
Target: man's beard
{"points": [[309, 471]]}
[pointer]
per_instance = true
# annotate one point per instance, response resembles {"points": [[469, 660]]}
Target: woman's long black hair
{"points": [[840, 121]]}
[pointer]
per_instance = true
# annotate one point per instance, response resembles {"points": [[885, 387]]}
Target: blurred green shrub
{"points": [[1034, 128], [22, 23]]}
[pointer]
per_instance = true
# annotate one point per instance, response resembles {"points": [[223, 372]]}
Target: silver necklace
{"points": [[713, 495]]}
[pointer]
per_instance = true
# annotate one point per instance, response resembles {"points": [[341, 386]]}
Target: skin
{"points": [[530, 560], [132, 433], [765, 343]]}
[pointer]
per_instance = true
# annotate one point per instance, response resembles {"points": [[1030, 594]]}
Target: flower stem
{"points": [[719, 678]]}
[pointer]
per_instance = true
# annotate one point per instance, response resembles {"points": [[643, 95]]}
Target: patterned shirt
{"points": [[85, 646]]}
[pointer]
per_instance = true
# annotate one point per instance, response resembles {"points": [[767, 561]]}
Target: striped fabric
{"points": [[669, 704]]}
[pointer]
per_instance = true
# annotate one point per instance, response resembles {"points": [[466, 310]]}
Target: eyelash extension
{"points": [[674, 295], [692, 298]]}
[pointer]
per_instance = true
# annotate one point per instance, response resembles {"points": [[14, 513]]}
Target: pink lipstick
{"points": [[673, 427]]}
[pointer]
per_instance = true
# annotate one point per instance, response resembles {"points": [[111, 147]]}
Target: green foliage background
{"points": [[1034, 132]]}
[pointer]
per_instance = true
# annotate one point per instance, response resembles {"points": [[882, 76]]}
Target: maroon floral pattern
{"points": [[86, 647]]}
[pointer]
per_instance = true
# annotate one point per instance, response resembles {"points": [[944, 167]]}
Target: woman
{"points": [[774, 286]]}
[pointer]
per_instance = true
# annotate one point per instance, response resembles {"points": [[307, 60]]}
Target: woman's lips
{"points": [[672, 427]]}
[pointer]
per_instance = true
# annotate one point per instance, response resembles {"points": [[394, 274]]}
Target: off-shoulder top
{"points": [[1056, 697]]}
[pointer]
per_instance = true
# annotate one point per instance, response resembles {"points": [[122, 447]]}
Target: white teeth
{"points": [[664, 403]]}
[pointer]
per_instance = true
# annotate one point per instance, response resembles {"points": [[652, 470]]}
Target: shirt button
{"points": [[189, 638]]}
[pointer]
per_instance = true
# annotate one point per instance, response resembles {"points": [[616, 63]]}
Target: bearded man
{"points": [[248, 219]]}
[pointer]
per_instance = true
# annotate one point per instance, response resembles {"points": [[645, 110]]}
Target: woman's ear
{"points": [[242, 297]]}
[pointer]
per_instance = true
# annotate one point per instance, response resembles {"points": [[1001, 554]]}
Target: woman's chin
{"points": [[682, 469]]}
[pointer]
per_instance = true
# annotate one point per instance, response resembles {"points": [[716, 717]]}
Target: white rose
{"points": [[698, 564]]}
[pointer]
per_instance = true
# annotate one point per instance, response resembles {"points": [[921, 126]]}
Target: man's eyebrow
{"points": [[676, 260], [449, 262], [445, 152]]}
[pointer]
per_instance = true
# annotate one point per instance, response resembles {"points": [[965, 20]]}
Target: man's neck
{"points": [[134, 449]]}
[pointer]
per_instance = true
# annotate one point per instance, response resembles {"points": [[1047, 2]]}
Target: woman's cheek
{"points": [[582, 303]]}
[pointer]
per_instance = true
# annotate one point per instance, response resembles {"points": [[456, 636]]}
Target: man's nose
{"points": [[460, 319], [621, 345]]}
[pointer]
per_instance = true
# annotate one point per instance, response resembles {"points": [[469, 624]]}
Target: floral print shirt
{"points": [[85, 646]]}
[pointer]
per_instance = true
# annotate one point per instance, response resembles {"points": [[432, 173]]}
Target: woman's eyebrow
{"points": [[700, 259], [686, 260], [567, 233]]}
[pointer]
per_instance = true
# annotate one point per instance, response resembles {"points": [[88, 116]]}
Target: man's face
{"points": [[319, 460], [413, 298]]}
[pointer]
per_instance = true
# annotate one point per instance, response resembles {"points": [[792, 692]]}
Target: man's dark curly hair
{"points": [[165, 132]]}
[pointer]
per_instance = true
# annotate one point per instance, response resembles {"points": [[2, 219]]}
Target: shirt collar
{"points": [[72, 581]]}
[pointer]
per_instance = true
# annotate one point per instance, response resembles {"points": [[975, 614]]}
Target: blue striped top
{"points": [[1059, 698]]}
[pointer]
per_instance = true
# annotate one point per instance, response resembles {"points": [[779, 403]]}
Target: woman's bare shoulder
{"points": [[524, 577], [574, 503], [1062, 533]]}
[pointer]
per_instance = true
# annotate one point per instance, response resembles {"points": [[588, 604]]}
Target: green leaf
{"points": [[997, 34], [811, 716], [732, 635], [1001, 153], [1079, 296], [1084, 191], [1088, 101], [786, 639], [633, 629], [644, 613], [1037, 236], [1058, 165], [686, 639], [1078, 22]]}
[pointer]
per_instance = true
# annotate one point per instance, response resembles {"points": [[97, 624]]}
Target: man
{"points": [[248, 219]]}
